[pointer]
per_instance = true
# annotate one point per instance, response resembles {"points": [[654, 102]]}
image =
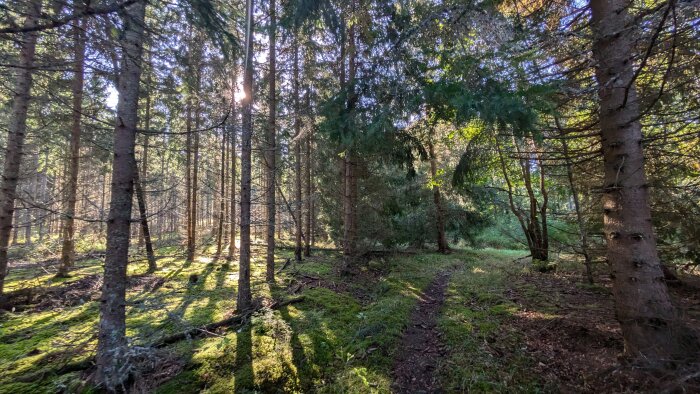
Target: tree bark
{"points": [[232, 125], [145, 231], [442, 244], [188, 177], [651, 327], [244, 299], [111, 341], [17, 129], [222, 195], [68, 232], [146, 143], [271, 151], [297, 153], [307, 174], [350, 183]]}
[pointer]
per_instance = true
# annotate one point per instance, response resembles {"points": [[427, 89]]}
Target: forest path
{"points": [[415, 367]]}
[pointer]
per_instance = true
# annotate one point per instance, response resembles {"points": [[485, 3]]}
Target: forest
{"points": [[349, 196]]}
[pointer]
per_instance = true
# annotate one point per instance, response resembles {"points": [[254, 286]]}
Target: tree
{"points": [[297, 140], [651, 326], [244, 299], [17, 131], [271, 148], [111, 340]]}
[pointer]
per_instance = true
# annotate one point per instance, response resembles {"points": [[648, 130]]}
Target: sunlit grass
{"points": [[333, 341]]}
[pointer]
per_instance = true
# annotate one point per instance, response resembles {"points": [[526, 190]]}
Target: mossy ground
{"points": [[341, 338]]}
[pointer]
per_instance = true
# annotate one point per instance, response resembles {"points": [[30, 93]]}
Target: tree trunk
{"points": [[244, 300], [232, 125], [68, 250], [188, 178], [271, 151], [111, 341], [443, 247], [146, 233], [222, 195], [16, 132], [67, 254], [583, 233], [350, 183], [195, 168], [146, 143], [297, 153], [652, 329], [307, 174]]}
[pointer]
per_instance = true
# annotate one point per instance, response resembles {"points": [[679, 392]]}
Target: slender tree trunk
{"points": [[146, 233], [17, 129], [350, 197], [232, 196], [297, 153], [111, 342], [244, 300], [68, 232], [188, 178], [271, 151], [222, 196], [146, 143], [308, 198], [651, 326], [195, 169], [442, 244], [583, 234]]}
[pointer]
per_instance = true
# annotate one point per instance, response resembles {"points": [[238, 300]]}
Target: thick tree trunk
{"points": [[271, 149], [17, 129], [244, 299], [651, 326], [68, 231], [442, 244], [145, 231], [111, 342]]}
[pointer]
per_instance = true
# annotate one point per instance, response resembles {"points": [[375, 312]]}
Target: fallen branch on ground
{"points": [[286, 263], [230, 322]]}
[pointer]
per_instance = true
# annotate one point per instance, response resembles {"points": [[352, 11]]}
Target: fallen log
{"points": [[286, 263], [232, 321]]}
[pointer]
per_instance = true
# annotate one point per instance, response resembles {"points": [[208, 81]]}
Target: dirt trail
{"points": [[415, 366]]}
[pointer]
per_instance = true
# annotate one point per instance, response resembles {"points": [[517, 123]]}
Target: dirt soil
{"points": [[571, 332], [420, 351]]}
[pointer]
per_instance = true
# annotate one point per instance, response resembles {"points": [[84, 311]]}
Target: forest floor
{"points": [[470, 321]]}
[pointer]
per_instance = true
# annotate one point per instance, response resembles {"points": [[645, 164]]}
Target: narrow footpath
{"points": [[415, 368]]}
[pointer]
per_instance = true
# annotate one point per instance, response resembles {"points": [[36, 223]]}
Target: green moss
{"points": [[334, 341]]}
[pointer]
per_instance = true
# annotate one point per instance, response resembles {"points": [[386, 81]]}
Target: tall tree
{"points": [[271, 149], [111, 340], [297, 151], [143, 216], [17, 130], [443, 247], [307, 173], [68, 230], [349, 162], [245, 299], [232, 137], [650, 324]]}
